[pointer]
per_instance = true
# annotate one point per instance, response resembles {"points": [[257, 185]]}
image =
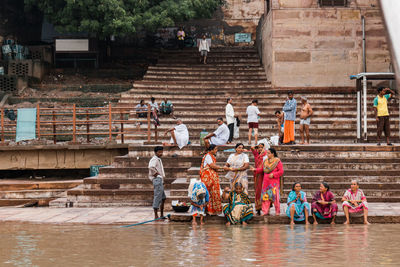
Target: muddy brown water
{"points": [[211, 245]]}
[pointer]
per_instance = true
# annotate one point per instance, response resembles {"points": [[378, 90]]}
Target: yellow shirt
{"points": [[380, 103]]}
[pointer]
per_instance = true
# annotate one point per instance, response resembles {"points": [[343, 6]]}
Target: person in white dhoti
{"points": [[219, 137], [179, 135]]}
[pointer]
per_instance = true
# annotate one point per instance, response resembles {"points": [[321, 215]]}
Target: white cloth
{"points": [[230, 114], [204, 45], [181, 135], [207, 160], [221, 135], [252, 113], [156, 166], [244, 158], [236, 131], [153, 106]]}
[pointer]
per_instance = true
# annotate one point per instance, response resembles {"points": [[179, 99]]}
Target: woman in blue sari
{"points": [[298, 208]]}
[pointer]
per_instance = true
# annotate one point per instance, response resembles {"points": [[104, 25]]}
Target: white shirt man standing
{"points": [[230, 118], [252, 120]]}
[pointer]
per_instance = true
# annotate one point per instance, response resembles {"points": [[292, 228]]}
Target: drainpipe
{"points": [[364, 82], [363, 44]]}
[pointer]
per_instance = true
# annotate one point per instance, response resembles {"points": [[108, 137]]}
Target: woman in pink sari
{"points": [[273, 171], [259, 153], [323, 204]]}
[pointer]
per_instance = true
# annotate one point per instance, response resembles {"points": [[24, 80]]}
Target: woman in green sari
{"points": [[239, 208]]}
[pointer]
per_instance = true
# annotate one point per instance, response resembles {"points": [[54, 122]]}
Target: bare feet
{"points": [[228, 224], [366, 222], [202, 223], [307, 222], [346, 222], [333, 223], [244, 223], [291, 222], [315, 222], [194, 223], [301, 143]]}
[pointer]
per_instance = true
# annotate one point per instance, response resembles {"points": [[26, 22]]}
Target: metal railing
{"points": [[67, 124]]}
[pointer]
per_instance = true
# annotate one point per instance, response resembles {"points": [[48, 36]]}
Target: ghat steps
{"points": [[195, 88], [126, 182]]}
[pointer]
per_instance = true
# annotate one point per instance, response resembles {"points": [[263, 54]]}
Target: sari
{"points": [[239, 208], [210, 179], [324, 211], [258, 177], [299, 206], [237, 161], [359, 196], [199, 188], [271, 186]]}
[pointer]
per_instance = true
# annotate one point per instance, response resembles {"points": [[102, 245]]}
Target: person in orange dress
{"points": [[209, 176]]}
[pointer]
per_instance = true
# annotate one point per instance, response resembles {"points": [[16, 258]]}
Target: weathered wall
{"points": [[58, 157], [236, 16], [314, 47]]}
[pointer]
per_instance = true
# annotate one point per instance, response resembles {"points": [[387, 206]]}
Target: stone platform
{"points": [[379, 213]]}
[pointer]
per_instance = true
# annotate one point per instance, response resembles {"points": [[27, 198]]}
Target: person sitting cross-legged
{"points": [[239, 208], [355, 202]]}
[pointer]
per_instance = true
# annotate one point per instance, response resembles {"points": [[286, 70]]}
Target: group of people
{"points": [[285, 119], [208, 198], [165, 108]]}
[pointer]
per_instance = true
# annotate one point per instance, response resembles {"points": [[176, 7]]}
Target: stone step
{"points": [[207, 68], [13, 185], [32, 194], [138, 172], [211, 60], [210, 86], [29, 201], [229, 65]]}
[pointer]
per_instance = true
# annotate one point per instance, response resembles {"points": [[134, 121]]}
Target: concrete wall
{"points": [[315, 47], [58, 157]]}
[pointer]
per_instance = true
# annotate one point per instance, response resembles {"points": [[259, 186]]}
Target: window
{"points": [[333, 2]]}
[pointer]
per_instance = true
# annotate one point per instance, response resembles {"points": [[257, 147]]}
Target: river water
{"points": [[182, 245]]}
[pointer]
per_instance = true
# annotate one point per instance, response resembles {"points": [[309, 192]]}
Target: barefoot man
{"points": [[157, 176], [305, 119], [179, 135]]}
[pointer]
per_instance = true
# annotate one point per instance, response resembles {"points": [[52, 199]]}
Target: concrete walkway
{"points": [[379, 213]]}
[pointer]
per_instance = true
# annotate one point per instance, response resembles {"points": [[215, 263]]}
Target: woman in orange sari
{"points": [[259, 153], [209, 176]]}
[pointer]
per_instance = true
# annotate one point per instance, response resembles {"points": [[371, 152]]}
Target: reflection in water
{"points": [[182, 245]]}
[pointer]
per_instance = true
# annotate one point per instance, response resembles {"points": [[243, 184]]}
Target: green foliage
{"points": [[120, 17]]}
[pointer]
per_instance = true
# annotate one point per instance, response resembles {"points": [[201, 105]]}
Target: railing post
{"points": [[365, 108], [2, 126], [87, 127], [74, 123], [54, 128], [109, 122], [148, 123], [38, 121], [122, 128]]}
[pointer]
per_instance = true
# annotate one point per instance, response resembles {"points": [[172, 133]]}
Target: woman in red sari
{"points": [[209, 176], [273, 171], [259, 153]]}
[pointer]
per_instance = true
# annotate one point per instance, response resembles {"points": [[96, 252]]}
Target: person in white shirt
{"points": [[204, 48], [230, 118], [157, 176], [219, 137], [252, 119], [179, 135]]}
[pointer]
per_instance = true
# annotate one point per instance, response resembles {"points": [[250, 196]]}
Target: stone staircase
{"points": [[195, 88], [199, 94], [32, 192]]}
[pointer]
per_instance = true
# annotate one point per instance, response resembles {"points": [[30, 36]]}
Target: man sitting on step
{"points": [[219, 137], [157, 176], [179, 135]]}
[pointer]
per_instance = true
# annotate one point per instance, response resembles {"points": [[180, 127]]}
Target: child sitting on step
{"points": [[199, 198]]}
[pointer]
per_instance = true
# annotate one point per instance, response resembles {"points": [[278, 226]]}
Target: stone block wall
{"points": [[316, 46]]}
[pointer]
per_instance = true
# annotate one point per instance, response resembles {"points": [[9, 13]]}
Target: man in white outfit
{"points": [[179, 135], [204, 48], [230, 118], [253, 115], [219, 137]]}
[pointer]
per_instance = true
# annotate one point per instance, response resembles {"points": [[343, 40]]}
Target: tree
{"points": [[120, 17]]}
